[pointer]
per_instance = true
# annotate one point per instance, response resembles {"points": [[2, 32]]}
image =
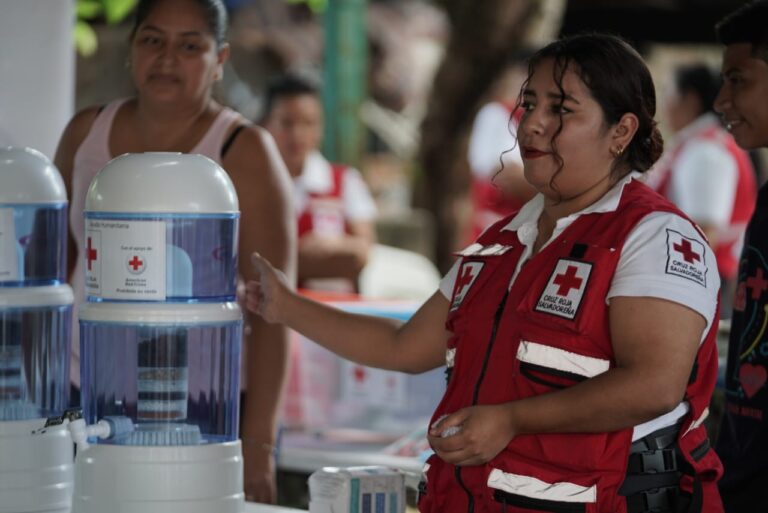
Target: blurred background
{"points": [[402, 82], [404, 78]]}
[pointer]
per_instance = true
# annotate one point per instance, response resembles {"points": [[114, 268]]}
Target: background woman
{"points": [[178, 51]]}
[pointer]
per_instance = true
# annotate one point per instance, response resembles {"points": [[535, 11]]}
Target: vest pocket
{"points": [[554, 367], [535, 494], [548, 377], [521, 501]]}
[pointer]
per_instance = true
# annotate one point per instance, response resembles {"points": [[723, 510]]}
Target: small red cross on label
{"points": [[758, 284], [90, 253], [567, 281], [359, 374], [689, 255], [136, 263]]}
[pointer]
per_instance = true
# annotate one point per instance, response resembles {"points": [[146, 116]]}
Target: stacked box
{"points": [[357, 490]]}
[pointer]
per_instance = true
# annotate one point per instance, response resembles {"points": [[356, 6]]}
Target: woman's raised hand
{"points": [[267, 294]]}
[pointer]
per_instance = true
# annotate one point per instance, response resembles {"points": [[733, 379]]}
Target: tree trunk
{"points": [[483, 36]]}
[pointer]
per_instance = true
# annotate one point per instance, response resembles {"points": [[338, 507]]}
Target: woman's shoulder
{"points": [[251, 143], [74, 134], [253, 159], [81, 123]]}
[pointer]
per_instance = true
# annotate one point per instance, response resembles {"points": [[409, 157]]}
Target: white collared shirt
{"points": [[316, 177], [704, 174]]}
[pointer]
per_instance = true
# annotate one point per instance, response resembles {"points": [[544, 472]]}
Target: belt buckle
{"points": [[658, 461], [661, 500]]}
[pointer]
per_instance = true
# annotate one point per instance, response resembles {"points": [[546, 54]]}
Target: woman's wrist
{"points": [[260, 444]]}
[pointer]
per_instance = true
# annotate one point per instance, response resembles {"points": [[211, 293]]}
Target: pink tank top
{"points": [[92, 155]]}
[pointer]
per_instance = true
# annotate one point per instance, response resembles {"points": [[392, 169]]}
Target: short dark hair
{"points": [[747, 24], [700, 80], [285, 86], [215, 16]]}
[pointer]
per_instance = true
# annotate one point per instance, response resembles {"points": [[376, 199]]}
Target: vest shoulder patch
{"points": [[686, 257], [468, 273]]}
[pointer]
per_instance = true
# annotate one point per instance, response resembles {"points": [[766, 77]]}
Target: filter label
{"points": [[10, 251], [125, 259]]}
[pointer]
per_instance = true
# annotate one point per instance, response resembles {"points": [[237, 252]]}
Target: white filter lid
{"points": [[174, 183], [36, 297], [168, 314], [28, 177]]}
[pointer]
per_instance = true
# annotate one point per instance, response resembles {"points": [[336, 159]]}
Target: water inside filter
{"points": [[178, 384], [163, 390], [33, 245], [14, 396]]}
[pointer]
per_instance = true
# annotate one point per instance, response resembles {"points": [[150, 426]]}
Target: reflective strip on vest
{"points": [[698, 422], [560, 359], [537, 489], [450, 356]]}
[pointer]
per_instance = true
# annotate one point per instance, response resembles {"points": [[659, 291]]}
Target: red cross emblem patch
{"points": [[136, 264], [468, 273], [565, 289], [686, 257]]}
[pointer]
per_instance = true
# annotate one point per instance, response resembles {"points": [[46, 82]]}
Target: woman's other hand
{"points": [[259, 481], [474, 435]]}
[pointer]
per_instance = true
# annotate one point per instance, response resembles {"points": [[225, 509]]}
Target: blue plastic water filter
{"points": [[176, 379], [34, 351], [33, 220]]}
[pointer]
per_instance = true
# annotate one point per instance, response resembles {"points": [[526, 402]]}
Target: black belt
{"points": [[653, 474]]}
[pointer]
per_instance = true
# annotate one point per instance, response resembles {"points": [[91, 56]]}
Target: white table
{"points": [[304, 453], [251, 507]]}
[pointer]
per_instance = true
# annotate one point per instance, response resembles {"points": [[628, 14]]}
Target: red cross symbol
{"points": [[359, 374], [687, 251], [567, 281], [757, 283], [90, 253], [467, 275], [136, 263]]}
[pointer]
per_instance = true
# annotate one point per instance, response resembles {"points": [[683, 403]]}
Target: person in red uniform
{"points": [[578, 333], [705, 173], [497, 186], [334, 208]]}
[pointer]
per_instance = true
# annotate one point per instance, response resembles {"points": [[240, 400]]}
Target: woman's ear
{"points": [[625, 130], [221, 58]]}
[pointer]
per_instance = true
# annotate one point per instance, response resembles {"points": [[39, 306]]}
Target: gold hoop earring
{"points": [[618, 152]]}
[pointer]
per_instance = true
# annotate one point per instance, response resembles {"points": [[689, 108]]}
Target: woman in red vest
{"points": [[578, 333]]}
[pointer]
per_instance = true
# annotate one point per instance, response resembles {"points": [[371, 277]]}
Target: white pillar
{"points": [[37, 72]]}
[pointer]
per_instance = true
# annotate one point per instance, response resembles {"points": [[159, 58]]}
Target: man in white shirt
{"points": [[704, 172], [334, 208]]}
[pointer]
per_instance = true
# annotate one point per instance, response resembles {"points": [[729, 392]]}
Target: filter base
{"points": [[36, 470], [183, 479]]}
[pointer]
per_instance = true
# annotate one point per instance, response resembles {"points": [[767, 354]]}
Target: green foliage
{"points": [[112, 11], [317, 6]]}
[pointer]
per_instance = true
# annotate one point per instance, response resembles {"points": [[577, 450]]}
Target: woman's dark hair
{"points": [[700, 80], [215, 16], [618, 80], [747, 24]]}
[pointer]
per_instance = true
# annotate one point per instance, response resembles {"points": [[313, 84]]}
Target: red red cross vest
{"points": [[324, 212], [505, 344], [743, 201]]}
